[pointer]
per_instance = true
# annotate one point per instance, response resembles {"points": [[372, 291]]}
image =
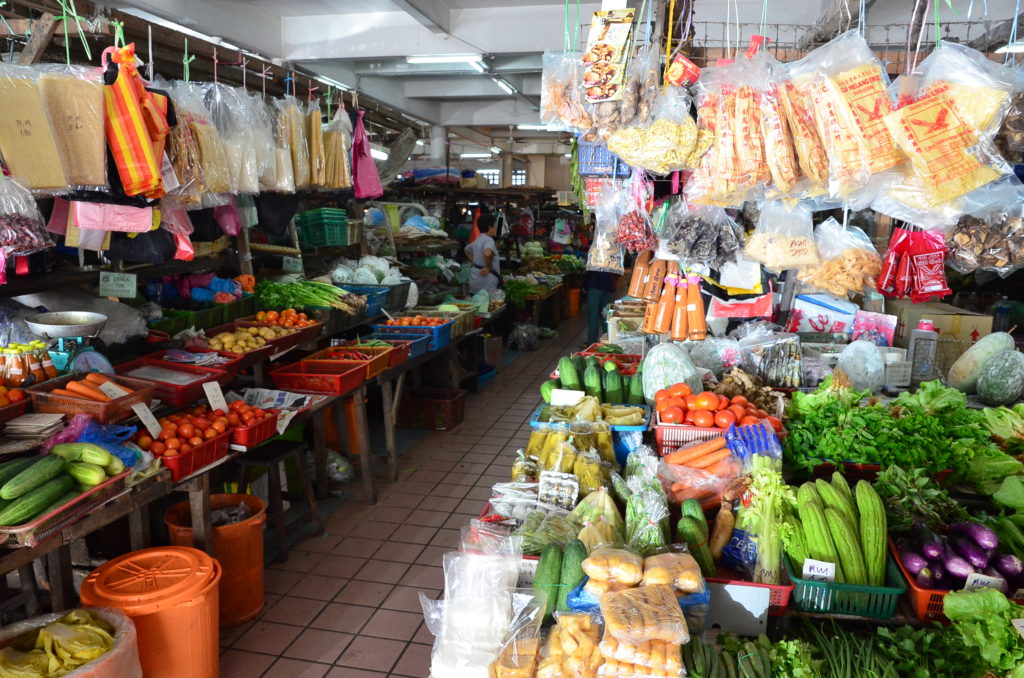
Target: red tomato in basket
{"points": [[723, 402], [673, 415], [724, 419], [749, 421], [776, 423], [703, 418]]}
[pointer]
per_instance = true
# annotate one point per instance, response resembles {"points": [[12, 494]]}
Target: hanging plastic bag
{"points": [[22, 230], [365, 177], [262, 123], [222, 102], [27, 140], [561, 88], [848, 260], [927, 254], [700, 235], [979, 88], [337, 150], [663, 144], [779, 152], [73, 98], [315, 139], [718, 178], [989, 240], [783, 238], [291, 131], [606, 254], [796, 100], [200, 153]]}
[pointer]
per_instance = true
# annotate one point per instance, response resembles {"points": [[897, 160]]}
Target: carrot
{"points": [[99, 378], [708, 504], [88, 390], [710, 459], [66, 393], [724, 467], [686, 454]]}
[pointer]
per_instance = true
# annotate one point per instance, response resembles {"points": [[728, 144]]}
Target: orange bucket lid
{"points": [[150, 580]]}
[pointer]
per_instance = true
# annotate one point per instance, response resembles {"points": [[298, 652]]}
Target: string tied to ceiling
{"points": [[186, 64], [310, 88], [118, 33], [70, 13]]}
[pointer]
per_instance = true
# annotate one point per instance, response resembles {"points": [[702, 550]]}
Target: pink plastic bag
{"points": [[365, 179], [227, 217]]}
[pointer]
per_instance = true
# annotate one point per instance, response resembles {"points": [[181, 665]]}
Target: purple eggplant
{"points": [[911, 559], [971, 552], [924, 578], [1010, 565], [926, 542], [993, 572], [938, 572], [981, 535], [957, 567]]}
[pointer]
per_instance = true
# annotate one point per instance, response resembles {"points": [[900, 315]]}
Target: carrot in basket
{"points": [[66, 393], [687, 454], [98, 378], [710, 460], [88, 390]]}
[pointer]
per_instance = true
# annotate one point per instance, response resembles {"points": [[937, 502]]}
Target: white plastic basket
{"points": [[898, 373]]}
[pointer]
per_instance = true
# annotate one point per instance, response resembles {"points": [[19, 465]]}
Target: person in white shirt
{"points": [[483, 255]]}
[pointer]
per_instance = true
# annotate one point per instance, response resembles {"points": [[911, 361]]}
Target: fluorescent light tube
{"points": [[531, 126], [1011, 48], [504, 86], [378, 155], [467, 156], [495, 150], [479, 66], [444, 59]]}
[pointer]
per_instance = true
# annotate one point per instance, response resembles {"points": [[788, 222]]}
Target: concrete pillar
{"points": [[438, 143], [506, 169]]}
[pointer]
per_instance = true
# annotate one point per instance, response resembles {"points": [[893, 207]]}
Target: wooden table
{"points": [[553, 300]]}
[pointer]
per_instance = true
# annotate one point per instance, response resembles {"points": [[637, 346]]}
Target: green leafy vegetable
{"points": [[924, 653], [516, 292], [1011, 493], [911, 495], [307, 293], [982, 617]]}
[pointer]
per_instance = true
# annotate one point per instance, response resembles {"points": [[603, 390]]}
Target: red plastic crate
{"points": [[254, 434], [199, 457], [437, 409], [670, 437], [778, 594], [401, 349], [374, 366], [337, 379], [231, 368], [8, 412], [173, 394], [104, 413], [627, 362], [245, 360]]}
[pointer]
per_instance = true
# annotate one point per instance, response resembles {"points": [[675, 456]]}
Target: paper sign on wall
{"points": [[121, 285], [215, 396], [291, 264], [816, 570], [147, 419]]}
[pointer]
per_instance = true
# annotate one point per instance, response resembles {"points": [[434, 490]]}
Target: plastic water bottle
{"points": [[924, 341], [1001, 311]]}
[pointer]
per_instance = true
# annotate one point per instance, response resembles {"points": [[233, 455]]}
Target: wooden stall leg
{"points": [[62, 586], [138, 528], [320, 452], [363, 436], [389, 428], [199, 507]]}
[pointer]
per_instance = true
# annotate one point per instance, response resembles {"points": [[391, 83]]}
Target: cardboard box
{"points": [[492, 352], [950, 321]]}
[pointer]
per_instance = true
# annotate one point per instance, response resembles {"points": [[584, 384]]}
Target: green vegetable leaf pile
{"points": [[911, 495], [982, 618], [924, 653]]}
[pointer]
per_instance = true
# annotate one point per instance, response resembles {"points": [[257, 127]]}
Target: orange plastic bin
{"points": [[575, 297], [239, 550], [171, 595]]}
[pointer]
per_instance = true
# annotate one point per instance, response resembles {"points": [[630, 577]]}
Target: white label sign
{"points": [[215, 396], [147, 419], [122, 285], [816, 570], [291, 264], [113, 390], [976, 580], [561, 397], [1019, 625]]}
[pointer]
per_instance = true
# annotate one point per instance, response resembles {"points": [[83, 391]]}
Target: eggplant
{"points": [[924, 578], [911, 559], [1010, 565], [971, 552], [993, 572], [938, 572], [926, 541], [957, 567], [980, 534]]}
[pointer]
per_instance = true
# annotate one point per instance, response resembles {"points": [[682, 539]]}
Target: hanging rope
{"points": [[1013, 30], [668, 42], [186, 63], [764, 18], [70, 12], [565, 41]]}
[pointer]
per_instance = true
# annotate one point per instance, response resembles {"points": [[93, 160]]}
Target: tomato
{"points": [[737, 412], [15, 395], [195, 440], [210, 433], [220, 426], [703, 418], [680, 390], [173, 443], [237, 405], [661, 394], [157, 448], [144, 442], [761, 414], [186, 431], [233, 419], [689, 416], [776, 423], [200, 424], [258, 412], [171, 453], [707, 401], [725, 419], [185, 447], [749, 421], [218, 413], [739, 400], [691, 402], [261, 316], [272, 316], [288, 322], [672, 415], [174, 418], [671, 402], [288, 313], [169, 431], [723, 402], [303, 317]]}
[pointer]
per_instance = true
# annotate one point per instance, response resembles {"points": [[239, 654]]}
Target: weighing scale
{"points": [[74, 332]]}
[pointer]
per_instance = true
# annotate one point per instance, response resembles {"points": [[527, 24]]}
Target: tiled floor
{"points": [[347, 604]]}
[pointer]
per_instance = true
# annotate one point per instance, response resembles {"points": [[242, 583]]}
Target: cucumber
{"points": [[63, 499], [568, 375], [9, 469], [592, 382], [613, 390], [34, 502], [572, 572], [89, 475], [636, 389], [547, 387], [44, 469], [548, 577]]}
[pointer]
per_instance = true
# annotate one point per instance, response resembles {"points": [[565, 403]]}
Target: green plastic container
{"points": [[849, 599]]}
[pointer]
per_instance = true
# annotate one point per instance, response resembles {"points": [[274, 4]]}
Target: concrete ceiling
{"points": [[364, 44]]}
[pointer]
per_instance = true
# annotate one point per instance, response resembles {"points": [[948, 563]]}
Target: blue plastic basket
{"points": [[535, 421], [595, 160], [439, 335], [376, 297]]}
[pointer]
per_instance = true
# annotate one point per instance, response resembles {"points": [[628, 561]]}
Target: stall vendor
{"points": [[483, 255]]}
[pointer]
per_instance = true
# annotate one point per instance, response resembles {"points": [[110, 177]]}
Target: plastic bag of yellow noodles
{"points": [[719, 178], [82, 643], [779, 152], [663, 144], [980, 88], [795, 97]]}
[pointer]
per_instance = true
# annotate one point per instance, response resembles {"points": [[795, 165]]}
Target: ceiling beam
{"points": [[470, 134], [996, 36], [434, 14]]}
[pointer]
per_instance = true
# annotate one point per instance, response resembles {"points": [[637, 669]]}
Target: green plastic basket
{"points": [[851, 599]]}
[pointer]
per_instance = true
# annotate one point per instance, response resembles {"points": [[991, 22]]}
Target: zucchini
{"points": [[572, 572], [568, 375], [44, 469], [115, 466], [691, 507], [34, 502], [547, 387], [548, 578]]}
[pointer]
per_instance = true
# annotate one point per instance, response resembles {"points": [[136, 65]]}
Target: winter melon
{"points": [[1002, 379], [964, 373]]}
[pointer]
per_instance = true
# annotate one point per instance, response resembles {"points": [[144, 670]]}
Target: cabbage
{"points": [[341, 274], [667, 364], [363, 276]]}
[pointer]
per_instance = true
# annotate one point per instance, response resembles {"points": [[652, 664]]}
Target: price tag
{"points": [[1019, 625], [291, 264], [816, 570], [561, 397], [976, 580], [113, 390], [147, 419], [169, 176], [120, 285], [215, 396]]}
